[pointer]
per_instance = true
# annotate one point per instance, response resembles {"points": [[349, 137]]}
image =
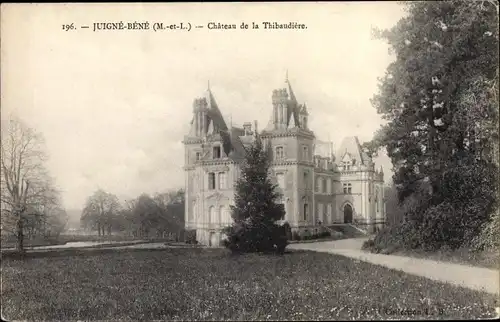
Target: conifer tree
{"points": [[255, 213], [440, 100]]}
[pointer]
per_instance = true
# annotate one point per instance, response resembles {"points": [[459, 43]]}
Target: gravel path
{"points": [[476, 278]]}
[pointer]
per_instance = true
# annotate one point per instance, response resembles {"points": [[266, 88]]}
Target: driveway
{"points": [[477, 278]]}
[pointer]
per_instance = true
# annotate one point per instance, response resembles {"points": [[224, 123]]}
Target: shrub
{"points": [[247, 239], [296, 236], [488, 238], [368, 245], [456, 214], [190, 237], [325, 234]]}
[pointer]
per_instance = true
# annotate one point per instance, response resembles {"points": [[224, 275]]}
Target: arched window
{"points": [[211, 215]]}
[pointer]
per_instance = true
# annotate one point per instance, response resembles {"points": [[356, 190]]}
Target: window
{"points": [[198, 156], [221, 215], [211, 214], [305, 153], [325, 185], [347, 188], [280, 178], [329, 213], [320, 212], [280, 154], [319, 184], [225, 215], [216, 152], [306, 184], [306, 206], [329, 186], [222, 180], [347, 166], [211, 181]]}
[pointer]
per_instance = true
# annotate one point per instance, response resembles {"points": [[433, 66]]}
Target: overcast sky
{"points": [[114, 105]]}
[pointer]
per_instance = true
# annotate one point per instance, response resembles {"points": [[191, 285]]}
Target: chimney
{"points": [[247, 126]]}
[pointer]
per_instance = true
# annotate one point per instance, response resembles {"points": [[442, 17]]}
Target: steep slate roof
{"points": [[293, 106], [352, 146], [231, 142]]}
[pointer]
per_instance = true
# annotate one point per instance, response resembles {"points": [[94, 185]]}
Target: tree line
{"points": [[146, 216]]}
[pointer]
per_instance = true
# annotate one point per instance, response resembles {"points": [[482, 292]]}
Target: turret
{"points": [[280, 107], [200, 110]]}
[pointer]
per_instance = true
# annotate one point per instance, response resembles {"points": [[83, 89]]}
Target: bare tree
{"points": [[24, 181], [100, 211]]}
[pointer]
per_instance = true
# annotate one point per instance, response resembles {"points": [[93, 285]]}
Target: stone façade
{"points": [[319, 188]]}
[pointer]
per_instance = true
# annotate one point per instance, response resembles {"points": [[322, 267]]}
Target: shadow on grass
{"points": [[100, 250]]}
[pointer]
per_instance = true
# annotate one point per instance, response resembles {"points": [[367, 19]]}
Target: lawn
{"points": [[208, 284]]}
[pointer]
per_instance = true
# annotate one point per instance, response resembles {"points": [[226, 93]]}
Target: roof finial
{"points": [[208, 85], [286, 76]]}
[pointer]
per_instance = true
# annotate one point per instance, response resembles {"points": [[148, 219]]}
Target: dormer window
{"points": [[216, 152]]}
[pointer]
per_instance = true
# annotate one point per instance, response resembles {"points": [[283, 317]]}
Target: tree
{"points": [[171, 205], [100, 212], [146, 214], [255, 213], [25, 184], [440, 100], [437, 95]]}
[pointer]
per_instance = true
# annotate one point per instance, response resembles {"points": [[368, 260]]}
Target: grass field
{"points": [[209, 284]]}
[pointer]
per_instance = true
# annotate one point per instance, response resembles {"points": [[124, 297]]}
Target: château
{"points": [[319, 187]]}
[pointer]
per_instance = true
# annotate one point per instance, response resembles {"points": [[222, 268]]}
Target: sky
{"points": [[114, 105]]}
